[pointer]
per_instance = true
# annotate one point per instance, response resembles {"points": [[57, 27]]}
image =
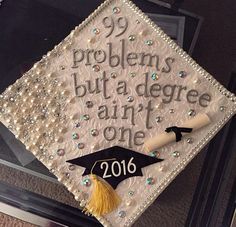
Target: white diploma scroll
{"points": [[165, 138]]}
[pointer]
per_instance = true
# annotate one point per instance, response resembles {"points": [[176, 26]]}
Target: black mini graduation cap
{"points": [[114, 164]]}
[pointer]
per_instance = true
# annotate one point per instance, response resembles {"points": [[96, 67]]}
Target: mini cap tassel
{"points": [[104, 198]]}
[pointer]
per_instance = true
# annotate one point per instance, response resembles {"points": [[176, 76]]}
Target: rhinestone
{"points": [[222, 108], [154, 76], [176, 154], [171, 111], [82, 203], [96, 68], [131, 37], [149, 42], [75, 136], [189, 140], [60, 152], [121, 214], [86, 182], [131, 193], [132, 74], [113, 75], [51, 157], [62, 67], [161, 168], [85, 117], [191, 112], [52, 170], [182, 74], [150, 181], [12, 99], [77, 125], [71, 167], [137, 22], [80, 145], [116, 10], [130, 98], [158, 119], [67, 175], [94, 132], [96, 31], [89, 104], [154, 154]]}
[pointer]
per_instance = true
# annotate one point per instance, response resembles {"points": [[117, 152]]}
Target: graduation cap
{"points": [[114, 164], [116, 81]]}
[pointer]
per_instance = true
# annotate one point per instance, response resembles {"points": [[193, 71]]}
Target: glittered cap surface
{"points": [[116, 80], [117, 158]]}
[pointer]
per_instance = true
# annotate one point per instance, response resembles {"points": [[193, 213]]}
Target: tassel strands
{"points": [[104, 198]]}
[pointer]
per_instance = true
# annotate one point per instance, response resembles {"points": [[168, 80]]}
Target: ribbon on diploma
{"points": [[178, 131]]}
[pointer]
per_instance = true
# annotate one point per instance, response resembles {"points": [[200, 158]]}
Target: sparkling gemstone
{"points": [[94, 132], [86, 182], [176, 154], [113, 75], [130, 98], [132, 74], [96, 31], [116, 10], [62, 67], [189, 140], [158, 119], [150, 181], [12, 99], [154, 154], [60, 152], [52, 170], [182, 74], [82, 203], [154, 76], [80, 145], [77, 125], [131, 37], [51, 157], [149, 42], [85, 117], [191, 112], [121, 214], [89, 104], [171, 111], [75, 136], [222, 108], [96, 68], [71, 167], [131, 193]]}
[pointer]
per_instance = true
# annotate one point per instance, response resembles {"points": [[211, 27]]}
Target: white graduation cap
{"points": [[115, 88]]}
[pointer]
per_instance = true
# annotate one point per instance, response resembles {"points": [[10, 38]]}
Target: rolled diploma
{"points": [[199, 121]]}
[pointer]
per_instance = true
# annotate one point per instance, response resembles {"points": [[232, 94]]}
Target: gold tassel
{"points": [[104, 198]]}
